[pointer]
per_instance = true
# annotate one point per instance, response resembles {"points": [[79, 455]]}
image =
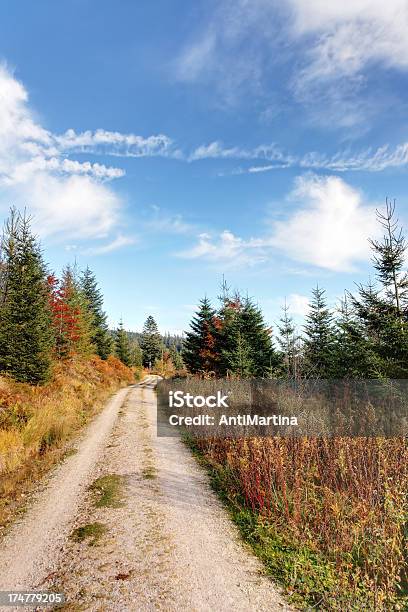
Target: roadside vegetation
{"points": [[57, 362], [327, 516]]}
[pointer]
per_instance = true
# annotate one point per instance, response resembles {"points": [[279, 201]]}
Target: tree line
{"points": [[365, 337], [45, 319]]}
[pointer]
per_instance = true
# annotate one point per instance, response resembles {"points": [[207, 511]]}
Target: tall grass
{"points": [[35, 422], [327, 515]]}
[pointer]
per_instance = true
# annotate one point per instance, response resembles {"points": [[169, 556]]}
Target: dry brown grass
{"points": [[37, 422]]}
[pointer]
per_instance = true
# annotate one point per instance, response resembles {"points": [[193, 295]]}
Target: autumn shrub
{"points": [[336, 506]]}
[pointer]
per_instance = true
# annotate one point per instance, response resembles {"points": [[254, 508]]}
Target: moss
{"points": [[91, 532], [149, 473], [108, 491]]}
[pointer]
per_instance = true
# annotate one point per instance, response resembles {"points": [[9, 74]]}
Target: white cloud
{"points": [[226, 249], [216, 150], [70, 207], [163, 222], [344, 40], [325, 47], [67, 198], [370, 160], [116, 143], [329, 227], [298, 304], [118, 243]]}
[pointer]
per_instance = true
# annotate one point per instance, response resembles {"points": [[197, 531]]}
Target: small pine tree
{"points": [[122, 345], [319, 338], [383, 311], [289, 344], [245, 341], [26, 335], [390, 260], [176, 358], [136, 354], [199, 351], [354, 352], [100, 337], [151, 343]]}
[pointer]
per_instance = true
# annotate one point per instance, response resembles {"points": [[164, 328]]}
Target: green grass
{"points": [[108, 491], [149, 473], [91, 532]]}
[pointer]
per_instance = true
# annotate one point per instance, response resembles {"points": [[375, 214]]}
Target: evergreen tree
{"points": [[390, 260], [176, 358], [122, 345], [26, 336], [289, 344], [383, 312], [199, 352], [80, 340], [151, 342], [136, 354], [245, 341], [319, 338], [354, 352], [100, 336]]}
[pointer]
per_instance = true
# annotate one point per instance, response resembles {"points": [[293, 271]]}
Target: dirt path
{"points": [[157, 539]]}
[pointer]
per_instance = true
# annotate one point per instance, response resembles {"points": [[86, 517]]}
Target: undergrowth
{"points": [[326, 517], [37, 421]]}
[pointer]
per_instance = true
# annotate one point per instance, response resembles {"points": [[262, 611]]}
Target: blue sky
{"points": [[165, 144]]}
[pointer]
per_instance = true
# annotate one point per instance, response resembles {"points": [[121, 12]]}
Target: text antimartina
{"points": [[207, 420]]}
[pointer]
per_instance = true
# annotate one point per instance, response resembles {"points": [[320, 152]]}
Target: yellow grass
{"points": [[36, 422]]}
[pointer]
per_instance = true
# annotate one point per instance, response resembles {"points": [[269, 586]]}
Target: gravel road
{"points": [[167, 544]]}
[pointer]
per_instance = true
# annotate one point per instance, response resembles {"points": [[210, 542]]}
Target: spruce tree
{"points": [[390, 260], [289, 344], [258, 337], [383, 311], [151, 342], [81, 337], [100, 336], [354, 351], [319, 338], [26, 336], [245, 341], [136, 354], [199, 350], [176, 358], [122, 345]]}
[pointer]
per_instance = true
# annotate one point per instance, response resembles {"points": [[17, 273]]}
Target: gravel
{"points": [[169, 545]]}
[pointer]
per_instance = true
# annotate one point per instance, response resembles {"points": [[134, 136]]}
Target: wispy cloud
{"points": [[225, 249], [370, 159], [68, 198], [117, 144], [164, 222], [118, 243], [326, 48]]}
